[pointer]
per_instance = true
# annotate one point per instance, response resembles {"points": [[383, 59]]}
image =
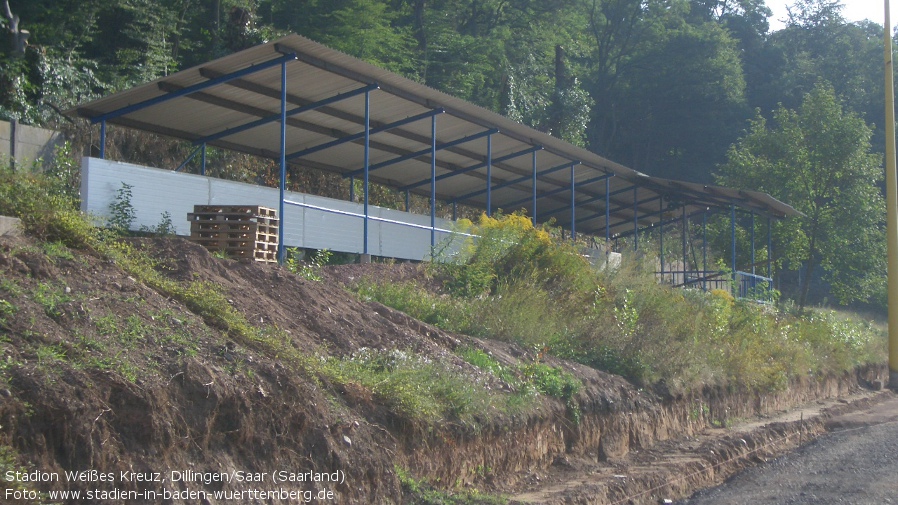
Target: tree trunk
{"points": [[421, 35], [806, 282], [17, 37]]}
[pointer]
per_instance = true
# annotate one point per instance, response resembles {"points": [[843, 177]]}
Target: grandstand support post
{"points": [[366, 169], [661, 236], [352, 189], [607, 220], [407, 206], [635, 219], [753, 242], [705, 250], [489, 175], [770, 249], [685, 248], [891, 203], [283, 161], [573, 202], [203, 160], [533, 211], [103, 140], [433, 181], [733, 237]]}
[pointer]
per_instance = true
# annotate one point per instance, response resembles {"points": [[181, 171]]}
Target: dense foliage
{"points": [[817, 158], [516, 283], [662, 86]]}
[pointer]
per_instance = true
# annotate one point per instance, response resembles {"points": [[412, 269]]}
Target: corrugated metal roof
{"points": [[399, 156]]}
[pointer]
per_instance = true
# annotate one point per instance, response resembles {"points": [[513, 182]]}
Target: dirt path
{"points": [[856, 462], [676, 468]]}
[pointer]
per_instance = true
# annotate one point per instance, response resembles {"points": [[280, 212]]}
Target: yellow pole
{"points": [[891, 205]]}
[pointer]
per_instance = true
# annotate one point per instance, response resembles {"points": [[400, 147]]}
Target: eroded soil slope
{"points": [[101, 373]]}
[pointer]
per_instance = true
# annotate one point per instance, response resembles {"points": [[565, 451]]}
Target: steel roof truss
{"points": [[193, 89], [292, 112]]}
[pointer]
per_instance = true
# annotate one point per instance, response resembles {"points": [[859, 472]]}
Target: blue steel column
{"points": [[573, 203], [103, 140], [489, 174], [733, 236], [704, 250], [352, 189], [635, 220], [534, 188], [685, 251], [407, 206], [433, 180], [661, 234], [283, 183], [367, 160], [607, 220], [203, 160], [770, 249], [753, 243], [454, 210]]}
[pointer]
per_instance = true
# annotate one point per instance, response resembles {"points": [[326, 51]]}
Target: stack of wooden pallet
{"points": [[246, 232]]}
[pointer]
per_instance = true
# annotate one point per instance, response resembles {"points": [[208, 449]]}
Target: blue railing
{"points": [[747, 285], [754, 287]]}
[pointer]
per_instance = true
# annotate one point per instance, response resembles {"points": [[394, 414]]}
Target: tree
{"points": [[818, 160]]}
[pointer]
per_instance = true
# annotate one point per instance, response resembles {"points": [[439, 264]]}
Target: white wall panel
{"points": [[156, 191]]}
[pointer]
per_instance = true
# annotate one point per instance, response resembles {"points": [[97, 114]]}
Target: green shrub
{"points": [[309, 270], [415, 387], [121, 212]]}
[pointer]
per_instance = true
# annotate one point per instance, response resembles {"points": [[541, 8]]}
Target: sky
{"points": [[853, 10]]}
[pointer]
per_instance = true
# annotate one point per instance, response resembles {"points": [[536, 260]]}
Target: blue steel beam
{"points": [[660, 223], [189, 158], [423, 152], [607, 213], [533, 208], [597, 198], [193, 89], [363, 134], [560, 190], [475, 167], [366, 168], [573, 202], [292, 112], [281, 251], [625, 207], [103, 139], [514, 181], [489, 175], [433, 181]]}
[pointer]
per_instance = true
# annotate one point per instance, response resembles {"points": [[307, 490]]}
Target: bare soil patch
{"points": [[100, 372]]}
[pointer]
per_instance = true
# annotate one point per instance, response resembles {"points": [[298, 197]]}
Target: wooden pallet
{"points": [[246, 210], [244, 232], [223, 217], [259, 256], [206, 226], [235, 244]]}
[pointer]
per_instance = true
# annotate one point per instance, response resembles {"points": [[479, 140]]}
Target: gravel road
{"points": [[856, 463]]}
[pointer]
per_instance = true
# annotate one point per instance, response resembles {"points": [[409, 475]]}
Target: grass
{"points": [[51, 296], [423, 493], [516, 284]]}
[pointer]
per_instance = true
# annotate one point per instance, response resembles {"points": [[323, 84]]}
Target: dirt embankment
{"points": [[101, 373]]}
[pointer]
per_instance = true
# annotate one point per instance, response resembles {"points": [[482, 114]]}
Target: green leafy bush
{"points": [[516, 284]]}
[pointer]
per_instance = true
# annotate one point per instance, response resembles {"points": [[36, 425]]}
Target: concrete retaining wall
{"points": [[25, 144]]}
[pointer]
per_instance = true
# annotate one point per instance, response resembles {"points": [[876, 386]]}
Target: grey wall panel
{"points": [[153, 192], [156, 191]]}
